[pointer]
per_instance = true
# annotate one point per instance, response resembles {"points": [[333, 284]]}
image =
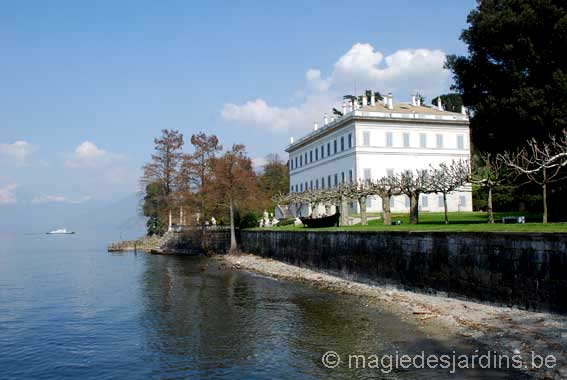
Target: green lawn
{"points": [[458, 221]]}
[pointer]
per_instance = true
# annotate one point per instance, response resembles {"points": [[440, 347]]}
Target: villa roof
{"points": [[401, 112], [407, 108]]}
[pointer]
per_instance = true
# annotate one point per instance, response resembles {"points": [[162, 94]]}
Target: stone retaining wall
{"points": [[528, 270]]}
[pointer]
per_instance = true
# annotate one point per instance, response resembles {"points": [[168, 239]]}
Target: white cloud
{"points": [[7, 195], [259, 162], [59, 199], [88, 155], [403, 72], [18, 151]]}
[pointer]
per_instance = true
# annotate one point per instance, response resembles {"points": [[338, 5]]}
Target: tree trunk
{"points": [[363, 218], [544, 186], [233, 247], [489, 207], [169, 222], [344, 212], [414, 208], [386, 208], [445, 208]]}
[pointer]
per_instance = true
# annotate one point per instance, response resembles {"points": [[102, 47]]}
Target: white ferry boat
{"points": [[61, 231]]}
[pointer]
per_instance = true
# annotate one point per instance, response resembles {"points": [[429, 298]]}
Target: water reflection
{"points": [[202, 321]]}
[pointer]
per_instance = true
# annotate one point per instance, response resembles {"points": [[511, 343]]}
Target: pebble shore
{"points": [[505, 330]]}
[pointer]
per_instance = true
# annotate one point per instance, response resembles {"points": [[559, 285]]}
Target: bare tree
{"points": [[200, 165], [359, 191], [164, 166], [541, 163], [488, 174], [412, 184], [446, 178], [385, 188]]}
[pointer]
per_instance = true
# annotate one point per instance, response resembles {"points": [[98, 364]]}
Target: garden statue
{"points": [[213, 221]]}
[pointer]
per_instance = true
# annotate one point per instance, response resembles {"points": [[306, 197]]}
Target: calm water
{"points": [[71, 313]]}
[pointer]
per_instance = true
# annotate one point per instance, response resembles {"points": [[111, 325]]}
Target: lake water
{"points": [[68, 312]]}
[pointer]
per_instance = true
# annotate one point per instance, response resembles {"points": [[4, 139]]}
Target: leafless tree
{"points": [[385, 188], [488, 174], [446, 178], [541, 163], [412, 184]]}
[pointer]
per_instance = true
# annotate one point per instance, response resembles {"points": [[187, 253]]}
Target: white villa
{"points": [[377, 139]]}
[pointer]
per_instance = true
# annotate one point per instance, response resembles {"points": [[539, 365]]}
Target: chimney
{"points": [[315, 126], [344, 107], [356, 104], [439, 105], [385, 100], [291, 140], [413, 100], [390, 101], [350, 106], [364, 101], [372, 100], [464, 110], [325, 120], [418, 100]]}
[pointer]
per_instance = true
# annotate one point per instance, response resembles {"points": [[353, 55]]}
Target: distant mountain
{"points": [[100, 221]]}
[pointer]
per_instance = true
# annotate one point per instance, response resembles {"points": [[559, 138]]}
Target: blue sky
{"points": [[86, 86]]}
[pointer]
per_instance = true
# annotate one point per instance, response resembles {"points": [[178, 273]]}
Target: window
{"points": [[291, 165], [342, 177], [367, 174], [335, 147], [423, 140], [316, 154], [310, 156], [306, 188], [440, 202], [406, 140], [366, 138], [322, 182], [301, 187], [439, 140], [389, 139], [305, 158], [460, 142], [462, 201], [311, 184], [407, 201], [336, 180], [316, 184], [424, 201], [322, 151], [350, 140], [390, 172], [329, 182], [350, 175], [342, 143], [296, 162], [301, 160], [328, 149]]}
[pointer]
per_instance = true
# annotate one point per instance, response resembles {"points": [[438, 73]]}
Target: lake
{"points": [[70, 310]]}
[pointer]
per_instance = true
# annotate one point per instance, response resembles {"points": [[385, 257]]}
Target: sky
{"points": [[86, 86]]}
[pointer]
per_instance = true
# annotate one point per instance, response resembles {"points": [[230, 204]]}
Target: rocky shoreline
{"points": [[505, 330]]}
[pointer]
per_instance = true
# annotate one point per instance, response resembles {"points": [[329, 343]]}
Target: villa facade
{"points": [[376, 139]]}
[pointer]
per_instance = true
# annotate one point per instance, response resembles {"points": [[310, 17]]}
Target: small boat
{"points": [[325, 221], [61, 231]]}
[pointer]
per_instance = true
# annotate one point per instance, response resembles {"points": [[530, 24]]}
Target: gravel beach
{"points": [[502, 329]]}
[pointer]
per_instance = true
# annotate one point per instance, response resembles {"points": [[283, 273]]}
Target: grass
{"points": [[458, 222]]}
